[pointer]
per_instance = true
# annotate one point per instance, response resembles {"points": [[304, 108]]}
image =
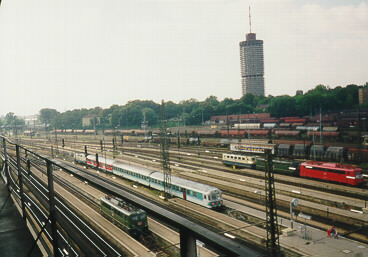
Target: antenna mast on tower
{"points": [[250, 21]]}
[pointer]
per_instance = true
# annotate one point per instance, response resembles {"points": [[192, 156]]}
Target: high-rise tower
{"points": [[251, 64]]}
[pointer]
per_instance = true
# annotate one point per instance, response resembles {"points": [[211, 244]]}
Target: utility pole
{"points": [[320, 125], [165, 151], [15, 128], [227, 125], [144, 124], [359, 135], [273, 243], [94, 126], [202, 117]]}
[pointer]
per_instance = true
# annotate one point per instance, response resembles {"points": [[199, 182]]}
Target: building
{"points": [[90, 119], [299, 92], [252, 65], [231, 119], [363, 95], [33, 122]]}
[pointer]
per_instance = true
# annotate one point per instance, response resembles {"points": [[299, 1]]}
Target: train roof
{"points": [[239, 155], [105, 160], [331, 165], [121, 205], [136, 169], [188, 184], [191, 185]]}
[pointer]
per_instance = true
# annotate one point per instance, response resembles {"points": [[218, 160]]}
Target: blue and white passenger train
{"points": [[205, 195]]}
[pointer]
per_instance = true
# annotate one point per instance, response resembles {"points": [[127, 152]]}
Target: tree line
{"points": [[194, 112]]}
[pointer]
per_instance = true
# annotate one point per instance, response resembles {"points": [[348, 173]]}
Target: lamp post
{"points": [[260, 195], [293, 203]]}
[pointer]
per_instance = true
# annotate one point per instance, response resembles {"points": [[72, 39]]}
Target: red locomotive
{"points": [[345, 174]]}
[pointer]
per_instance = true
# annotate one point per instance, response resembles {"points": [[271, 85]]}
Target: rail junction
{"points": [[293, 242]]}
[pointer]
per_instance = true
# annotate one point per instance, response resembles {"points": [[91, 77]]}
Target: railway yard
{"points": [[322, 204]]}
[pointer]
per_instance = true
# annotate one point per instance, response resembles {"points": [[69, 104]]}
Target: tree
{"points": [[151, 116], [248, 99], [212, 100], [47, 115], [282, 106]]}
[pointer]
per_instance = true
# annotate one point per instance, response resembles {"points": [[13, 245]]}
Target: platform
{"points": [[312, 243], [15, 238]]}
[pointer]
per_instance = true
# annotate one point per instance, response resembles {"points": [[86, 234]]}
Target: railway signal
{"points": [[29, 166]]}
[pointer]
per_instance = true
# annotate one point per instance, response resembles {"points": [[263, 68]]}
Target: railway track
{"points": [[192, 162]]}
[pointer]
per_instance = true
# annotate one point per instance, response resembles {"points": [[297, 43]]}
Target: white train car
{"points": [[205, 195], [238, 160], [252, 148], [133, 173], [247, 126], [80, 158], [103, 162]]}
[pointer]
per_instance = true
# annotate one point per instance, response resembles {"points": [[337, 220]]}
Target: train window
{"points": [[195, 194]]}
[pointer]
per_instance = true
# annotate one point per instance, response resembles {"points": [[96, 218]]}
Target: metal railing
{"points": [[189, 231]]}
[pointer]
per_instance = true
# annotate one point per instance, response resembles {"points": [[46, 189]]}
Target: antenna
{"points": [[250, 21]]}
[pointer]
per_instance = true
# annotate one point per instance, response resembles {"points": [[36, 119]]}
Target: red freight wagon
{"points": [[329, 171], [288, 118], [268, 120], [259, 132], [324, 134], [287, 132], [233, 133], [296, 120]]}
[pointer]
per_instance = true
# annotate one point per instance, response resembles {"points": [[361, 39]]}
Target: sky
{"points": [[75, 54]]}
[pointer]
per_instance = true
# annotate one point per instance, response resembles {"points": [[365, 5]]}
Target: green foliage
{"points": [[11, 120], [282, 106], [48, 115], [192, 111]]}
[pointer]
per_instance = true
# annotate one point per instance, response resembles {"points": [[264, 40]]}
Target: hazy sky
{"points": [[85, 53]]}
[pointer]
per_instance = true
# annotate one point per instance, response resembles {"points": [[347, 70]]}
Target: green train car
{"points": [[280, 166], [125, 215]]}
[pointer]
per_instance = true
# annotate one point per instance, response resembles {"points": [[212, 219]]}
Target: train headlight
{"points": [[213, 203]]}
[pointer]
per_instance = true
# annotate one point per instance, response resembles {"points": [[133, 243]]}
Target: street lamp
{"points": [[293, 203], [260, 195]]}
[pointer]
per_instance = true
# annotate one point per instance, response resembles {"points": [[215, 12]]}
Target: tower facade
{"points": [[252, 65]]}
